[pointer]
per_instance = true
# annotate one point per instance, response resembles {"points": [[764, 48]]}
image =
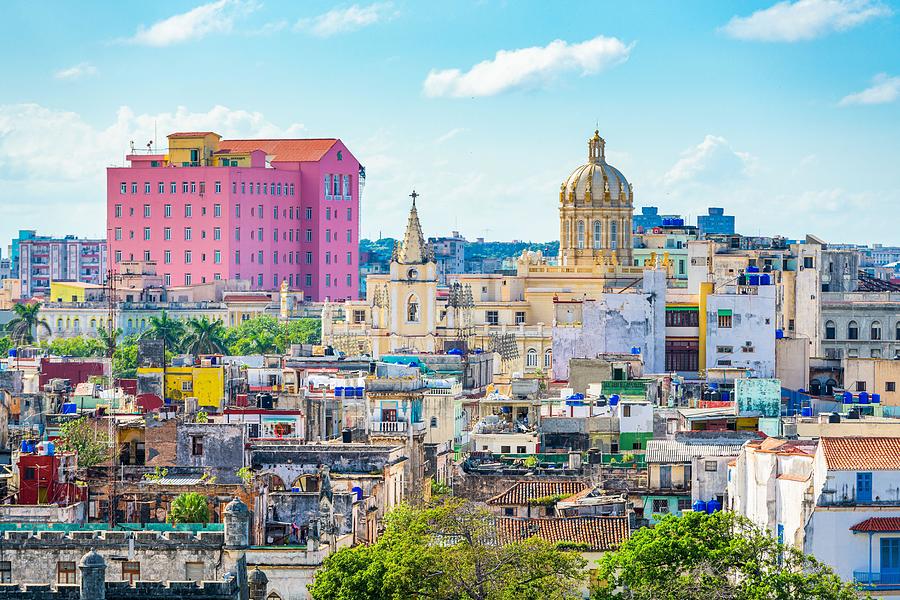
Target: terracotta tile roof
{"points": [[190, 134], [793, 477], [876, 524], [523, 491], [862, 453], [309, 150], [599, 533]]}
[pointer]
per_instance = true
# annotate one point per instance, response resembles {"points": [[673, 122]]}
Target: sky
{"points": [[786, 114]]}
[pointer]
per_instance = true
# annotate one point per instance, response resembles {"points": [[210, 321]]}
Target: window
{"points": [[307, 280], [520, 317], [327, 235], [807, 262], [626, 410], [259, 258], [5, 571], [123, 188], [509, 511], [118, 233], [684, 504], [359, 316], [146, 233], [309, 258], [505, 449], [134, 187], [682, 317], [724, 319], [196, 444], [852, 330], [613, 235], [349, 258], [188, 210], [349, 280], [237, 211], [492, 317], [724, 349], [890, 386], [308, 213], [167, 233], [187, 257], [711, 466], [167, 211], [65, 571], [531, 358], [237, 259], [860, 386], [131, 571], [580, 236], [167, 256], [218, 187], [864, 487], [660, 506], [349, 235], [193, 187], [217, 210], [412, 309], [187, 234], [217, 233], [146, 211], [259, 210], [29, 473], [217, 257], [548, 358], [829, 330], [118, 210], [309, 235], [596, 240], [875, 331]]}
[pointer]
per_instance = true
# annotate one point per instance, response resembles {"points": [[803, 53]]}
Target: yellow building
{"points": [[75, 291], [206, 384], [512, 315]]}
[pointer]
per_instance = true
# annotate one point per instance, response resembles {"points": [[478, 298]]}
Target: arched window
{"points": [[875, 330], [59, 324], [568, 234], [829, 330], [581, 235], [613, 235], [598, 232], [130, 325], [852, 330], [531, 358], [412, 309], [93, 323], [548, 358], [143, 324], [76, 324]]}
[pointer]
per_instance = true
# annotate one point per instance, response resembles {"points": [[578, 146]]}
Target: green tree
{"points": [[109, 338], [259, 335], [170, 331], [204, 337], [448, 551], [26, 325], [5, 344], [125, 359], [76, 346], [189, 507], [722, 555], [91, 443], [302, 331]]}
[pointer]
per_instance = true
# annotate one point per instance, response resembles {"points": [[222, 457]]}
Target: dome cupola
{"points": [[596, 181]]}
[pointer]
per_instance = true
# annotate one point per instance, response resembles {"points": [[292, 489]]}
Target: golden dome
{"points": [[598, 177]]}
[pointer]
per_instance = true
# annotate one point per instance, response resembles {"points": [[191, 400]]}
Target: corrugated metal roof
{"points": [[180, 480], [670, 451]]}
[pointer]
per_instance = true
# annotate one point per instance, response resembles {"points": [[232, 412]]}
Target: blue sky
{"points": [[786, 114]]}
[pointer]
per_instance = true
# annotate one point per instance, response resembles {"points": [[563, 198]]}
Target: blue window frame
{"points": [[864, 487], [890, 558]]}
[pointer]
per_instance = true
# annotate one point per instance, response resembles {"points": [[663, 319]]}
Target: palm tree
{"points": [[204, 337], [108, 338], [170, 331], [26, 323], [189, 507]]}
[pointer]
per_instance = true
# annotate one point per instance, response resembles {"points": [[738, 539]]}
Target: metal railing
{"points": [[877, 578]]}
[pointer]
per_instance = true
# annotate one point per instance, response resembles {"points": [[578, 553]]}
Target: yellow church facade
{"points": [[512, 315]]}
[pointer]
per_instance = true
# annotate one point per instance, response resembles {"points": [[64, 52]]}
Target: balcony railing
{"points": [[877, 579], [395, 426]]}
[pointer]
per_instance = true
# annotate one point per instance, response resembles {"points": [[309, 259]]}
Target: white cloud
{"points": [[450, 135], [344, 20], [804, 19], [53, 162], [213, 17], [74, 72], [524, 67], [711, 160], [883, 90]]}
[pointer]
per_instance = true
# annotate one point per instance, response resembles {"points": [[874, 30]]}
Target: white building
{"points": [[839, 501], [741, 329]]}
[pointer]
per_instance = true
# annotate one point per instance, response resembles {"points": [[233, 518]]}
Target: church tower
{"points": [[595, 209]]}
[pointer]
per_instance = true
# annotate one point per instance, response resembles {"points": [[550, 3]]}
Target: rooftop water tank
{"points": [[358, 491], [848, 398], [779, 334], [713, 506], [752, 269], [12, 352], [614, 399], [699, 506], [725, 396], [752, 279], [51, 448], [765, 279], [876, 398], [806, 411], [864, 397], [339, 391], [69, 408]]}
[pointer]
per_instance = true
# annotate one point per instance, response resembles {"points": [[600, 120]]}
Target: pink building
{"points": [[262, 210]]}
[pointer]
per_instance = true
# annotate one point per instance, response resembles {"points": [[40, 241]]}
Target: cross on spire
{"points": [[414, 195]]}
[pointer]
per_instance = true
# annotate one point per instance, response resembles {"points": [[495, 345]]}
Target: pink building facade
{"points": [[267, 211]]}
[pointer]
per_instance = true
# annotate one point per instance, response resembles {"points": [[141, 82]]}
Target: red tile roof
{"points": [[524, 491], [877, 524], [190, 134], [599, 533], [309, 150], [862, 453]]}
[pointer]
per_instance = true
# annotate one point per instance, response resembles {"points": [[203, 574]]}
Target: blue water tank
{"points": [[864, 397], [726, 396], [295, 489], [752, 279], [765, 279], [339, 391], [455, 351], [24, 447], [51, 448], [876, 398], [69, 408], [713, 386], [12, 352], [635, 350], [360, 392], [699, 506], [358, 491], [779, 334], [614, 399], [752, 269], [806, 411], [848, 398], [713, 506]]}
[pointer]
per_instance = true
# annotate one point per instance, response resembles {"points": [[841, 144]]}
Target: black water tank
{"points": [[346, 435]]}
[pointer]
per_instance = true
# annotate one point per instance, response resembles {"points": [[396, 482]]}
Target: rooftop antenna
{"points": [[132, 146]]}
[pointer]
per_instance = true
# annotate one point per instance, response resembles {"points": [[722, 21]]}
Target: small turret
{"points": [[258, 584], [93, 576], [237, 524]]}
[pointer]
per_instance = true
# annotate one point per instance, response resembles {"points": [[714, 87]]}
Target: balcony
{"points": [[877, 580], [396, 427]]}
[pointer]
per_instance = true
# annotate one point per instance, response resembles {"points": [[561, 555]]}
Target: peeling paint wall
{"points": [[746, 340]]}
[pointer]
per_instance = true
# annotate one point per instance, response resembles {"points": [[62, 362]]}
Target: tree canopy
{"points": [[448, 551], [722, 555], [189, 507], [27, 324], [162, 327], [204, 337], [92, 444]]}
